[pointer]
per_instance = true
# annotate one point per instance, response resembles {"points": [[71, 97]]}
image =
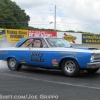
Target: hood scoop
{"points": [[85, 48], [92, 48]]}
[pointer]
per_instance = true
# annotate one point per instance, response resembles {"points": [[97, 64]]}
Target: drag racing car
{"points": [[51, 53]]}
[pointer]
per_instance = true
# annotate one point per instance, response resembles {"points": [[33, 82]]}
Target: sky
{"points": [[77, 15]]}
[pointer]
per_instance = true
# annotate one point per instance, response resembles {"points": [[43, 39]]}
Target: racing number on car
{"points": [[34, 56]]}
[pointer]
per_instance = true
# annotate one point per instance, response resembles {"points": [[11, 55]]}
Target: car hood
{"points": [[85, 48]]}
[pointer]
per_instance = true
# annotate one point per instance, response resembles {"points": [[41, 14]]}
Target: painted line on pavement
{"points": [[49, 81]]}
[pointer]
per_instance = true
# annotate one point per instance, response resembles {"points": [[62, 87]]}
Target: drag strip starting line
{"points": [[49, 81]]}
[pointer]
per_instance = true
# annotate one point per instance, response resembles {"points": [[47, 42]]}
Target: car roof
{"points": [[24, 39]]}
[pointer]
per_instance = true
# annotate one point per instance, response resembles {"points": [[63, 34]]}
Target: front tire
{"points": [[70, 67], [13, 64]]}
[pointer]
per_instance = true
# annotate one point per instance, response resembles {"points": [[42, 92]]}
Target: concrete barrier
{"points": [[7, 44], [88, 45]]}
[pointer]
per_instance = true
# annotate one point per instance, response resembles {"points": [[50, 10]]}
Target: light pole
{"points": [[55, 19]]}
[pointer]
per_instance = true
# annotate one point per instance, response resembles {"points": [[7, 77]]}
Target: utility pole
{"points": [[55, 19]]}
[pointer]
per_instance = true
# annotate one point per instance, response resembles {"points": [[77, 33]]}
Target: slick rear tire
{"points": [[13, 64], [70, 67]]}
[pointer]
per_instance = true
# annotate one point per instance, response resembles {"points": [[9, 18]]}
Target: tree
{"points": [[12, 16]]}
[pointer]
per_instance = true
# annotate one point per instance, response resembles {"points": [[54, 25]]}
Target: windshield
{"points": [[58, 42]]}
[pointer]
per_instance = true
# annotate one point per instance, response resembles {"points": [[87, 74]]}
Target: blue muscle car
{"points": [[51, 53]]}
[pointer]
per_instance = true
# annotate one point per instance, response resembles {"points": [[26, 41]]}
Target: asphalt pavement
{"points": [[40, 84]]}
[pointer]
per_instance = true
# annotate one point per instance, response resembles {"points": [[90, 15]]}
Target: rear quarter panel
{"points": [[19, 54]]}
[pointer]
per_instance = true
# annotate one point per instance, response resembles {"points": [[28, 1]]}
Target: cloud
{"points": [[78, 15]]}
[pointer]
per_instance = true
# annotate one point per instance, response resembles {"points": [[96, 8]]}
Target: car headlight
{"points": [[92, 58]]}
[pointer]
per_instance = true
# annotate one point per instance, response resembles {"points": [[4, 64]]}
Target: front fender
{"points": [[82, 59], [67, 57]]}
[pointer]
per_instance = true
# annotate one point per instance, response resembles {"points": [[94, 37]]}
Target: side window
{"points": [[27, 43], [37, 43]]}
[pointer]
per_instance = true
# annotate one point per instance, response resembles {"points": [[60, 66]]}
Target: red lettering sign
{"points": [[40, 33]]}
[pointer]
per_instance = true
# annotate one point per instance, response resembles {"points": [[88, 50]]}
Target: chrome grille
{"points": [[97, 56]]}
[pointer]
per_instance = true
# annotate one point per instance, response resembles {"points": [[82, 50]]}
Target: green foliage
{"points": [[87, 33], [70, 31], [12, 16], [43, 29]]}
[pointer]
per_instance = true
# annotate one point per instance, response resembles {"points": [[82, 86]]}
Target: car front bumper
{"points": [[93, 65]]}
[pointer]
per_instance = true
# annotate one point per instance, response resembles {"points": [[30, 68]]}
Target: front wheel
{"points": [[13, 64], [92, 70], [70, 67]]}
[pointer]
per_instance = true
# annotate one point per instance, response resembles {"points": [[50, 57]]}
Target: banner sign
{"points": [[40, 33], [2, 35], [91, 38], [14, 35], [71, 37]]}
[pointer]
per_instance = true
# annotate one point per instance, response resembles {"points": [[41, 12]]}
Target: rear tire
{"points": [[13, 64], [70, 67], [91, 71]]}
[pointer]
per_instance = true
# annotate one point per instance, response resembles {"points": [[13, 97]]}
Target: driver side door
{"points": [[40, 55]]}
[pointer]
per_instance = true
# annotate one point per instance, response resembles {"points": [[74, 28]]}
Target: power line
{"points": [[60, 23]]}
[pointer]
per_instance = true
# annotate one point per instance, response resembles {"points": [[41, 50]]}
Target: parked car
{"points": [[51, 53]]}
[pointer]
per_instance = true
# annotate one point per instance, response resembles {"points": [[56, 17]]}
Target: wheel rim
{"points": [[70, 66], [12, 62]]}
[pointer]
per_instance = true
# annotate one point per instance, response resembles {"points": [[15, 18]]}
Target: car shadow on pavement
{"points": [[54, 72], [42, 71]]}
